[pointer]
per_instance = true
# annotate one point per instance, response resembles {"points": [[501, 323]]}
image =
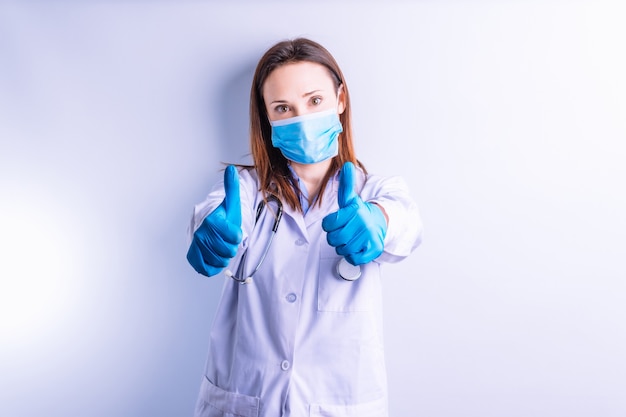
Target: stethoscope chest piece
{"points": [[348, 271]]}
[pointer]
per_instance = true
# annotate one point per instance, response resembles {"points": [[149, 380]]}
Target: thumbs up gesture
{"points": [[357, 230], [216, 240]]}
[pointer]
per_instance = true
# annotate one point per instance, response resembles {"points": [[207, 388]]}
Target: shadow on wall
{"points": [[233, 103], [197, 296], [190, 299]]}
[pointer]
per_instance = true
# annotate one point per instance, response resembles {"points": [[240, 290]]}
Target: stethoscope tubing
{"points": [[345, 270], [277, 217]]}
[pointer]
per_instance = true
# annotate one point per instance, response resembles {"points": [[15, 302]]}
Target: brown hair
{"points": [[272, 167]]}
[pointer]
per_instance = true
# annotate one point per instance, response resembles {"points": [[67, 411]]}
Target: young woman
{"points": [[300, 236]]}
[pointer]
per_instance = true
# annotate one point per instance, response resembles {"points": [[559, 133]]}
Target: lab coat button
{"points": [[300, 242], [291, 297], [285, 365]]}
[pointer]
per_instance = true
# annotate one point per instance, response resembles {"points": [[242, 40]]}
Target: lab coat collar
{"points": [[329, 204]]}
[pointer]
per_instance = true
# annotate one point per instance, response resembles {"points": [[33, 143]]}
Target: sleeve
{"points": [[404, 229]]}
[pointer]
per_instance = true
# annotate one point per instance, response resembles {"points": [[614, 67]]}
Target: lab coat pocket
{"points": [[334, 294], [376, 408], [216, 402]]}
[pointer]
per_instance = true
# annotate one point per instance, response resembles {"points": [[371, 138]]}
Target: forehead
{"points": [[295, 79]]}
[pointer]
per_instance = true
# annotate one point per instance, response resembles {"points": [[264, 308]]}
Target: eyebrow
{"points": [[303, 95]]}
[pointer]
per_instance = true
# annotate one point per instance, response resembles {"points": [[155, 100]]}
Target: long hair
{"points": [[272, 167]]}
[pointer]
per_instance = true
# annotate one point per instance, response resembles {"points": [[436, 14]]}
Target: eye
{"points": [[316, 101], [282, 108]]}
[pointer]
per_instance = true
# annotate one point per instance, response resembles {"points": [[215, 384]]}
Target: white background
{"points": [[507, 119]]}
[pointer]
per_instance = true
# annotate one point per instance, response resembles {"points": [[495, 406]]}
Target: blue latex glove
{"points": [[357, 230], [218, 237]]}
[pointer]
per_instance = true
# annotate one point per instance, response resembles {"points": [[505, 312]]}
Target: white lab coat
{"points": [[299, 340]]}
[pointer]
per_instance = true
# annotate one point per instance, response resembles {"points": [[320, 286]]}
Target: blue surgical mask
{"points": [[309, 138]]}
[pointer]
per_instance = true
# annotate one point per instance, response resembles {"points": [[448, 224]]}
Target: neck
{"points": [[312, 175]]}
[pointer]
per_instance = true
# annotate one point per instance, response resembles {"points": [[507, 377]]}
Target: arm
{"points": [[404, 224]]}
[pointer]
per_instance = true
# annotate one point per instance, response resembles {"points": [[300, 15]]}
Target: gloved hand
{"points": [[357, 230], [216, 240]]}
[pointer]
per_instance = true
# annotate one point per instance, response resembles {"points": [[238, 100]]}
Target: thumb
{"points": [[347, 193], [232, 200]]}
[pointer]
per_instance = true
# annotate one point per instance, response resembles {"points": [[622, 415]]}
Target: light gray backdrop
{"points": [[507, 119]]}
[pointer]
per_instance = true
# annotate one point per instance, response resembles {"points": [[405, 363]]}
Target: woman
{"points": [[298, 331]]}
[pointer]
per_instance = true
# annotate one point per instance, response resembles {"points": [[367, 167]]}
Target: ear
{"points": [[341, 100]]}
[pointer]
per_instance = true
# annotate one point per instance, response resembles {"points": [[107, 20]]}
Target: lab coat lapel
{"points": [[297, 218], [315, 213], [329, 204]]}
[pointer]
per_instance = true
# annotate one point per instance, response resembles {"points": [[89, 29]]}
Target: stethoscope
{"points": [[344, 269], [278, 214]]}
